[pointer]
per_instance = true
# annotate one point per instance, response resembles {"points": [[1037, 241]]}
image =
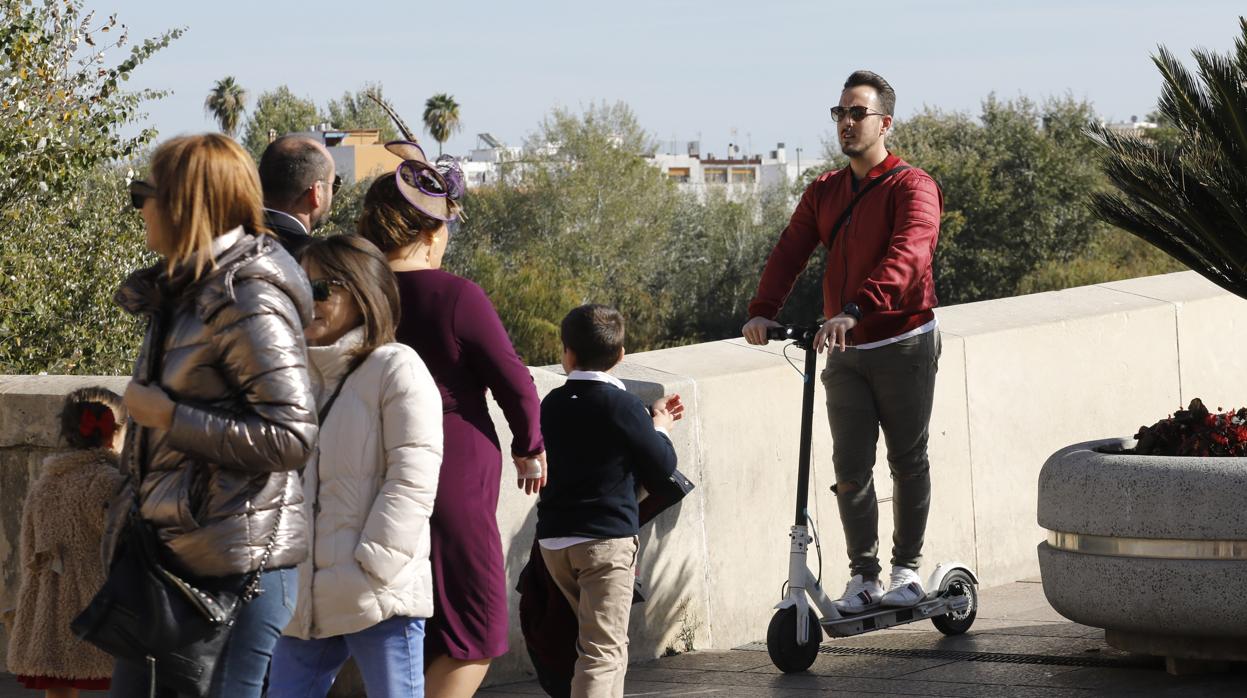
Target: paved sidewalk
{"points": [[1018, 647]]}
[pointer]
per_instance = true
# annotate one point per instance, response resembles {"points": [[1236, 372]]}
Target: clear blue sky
{"points": [[689, 68]]}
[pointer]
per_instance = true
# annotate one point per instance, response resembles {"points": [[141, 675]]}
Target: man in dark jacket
{"points": [[297, 174], [879, 219]]}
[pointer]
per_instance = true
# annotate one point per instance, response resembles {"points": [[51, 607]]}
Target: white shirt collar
{"points": [[226, 240], [599, 376], [287, 215]]}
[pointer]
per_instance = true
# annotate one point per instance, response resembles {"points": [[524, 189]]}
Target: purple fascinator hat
{"points": [[429, 187]]}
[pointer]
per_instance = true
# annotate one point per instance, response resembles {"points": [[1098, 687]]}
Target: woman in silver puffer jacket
{"points": [[221, 396]]}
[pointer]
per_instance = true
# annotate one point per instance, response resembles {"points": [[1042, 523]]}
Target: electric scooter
{"points": [[795, 631]]}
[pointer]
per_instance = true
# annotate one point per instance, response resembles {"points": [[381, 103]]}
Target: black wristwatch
{"points": [[852, 309]]}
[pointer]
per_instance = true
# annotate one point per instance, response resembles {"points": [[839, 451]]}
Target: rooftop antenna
{"points": [[375, 96]]}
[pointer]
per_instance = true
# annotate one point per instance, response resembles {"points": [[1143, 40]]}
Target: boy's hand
{"points": [[667, 410], [530, 485]]}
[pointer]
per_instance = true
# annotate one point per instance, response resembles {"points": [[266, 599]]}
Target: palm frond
{"points": [[1240, 46], [1187, 197], [1228, 101], [1181, 98]]}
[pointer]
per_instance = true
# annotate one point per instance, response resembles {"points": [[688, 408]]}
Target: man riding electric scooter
{"points": [[879, 219]]}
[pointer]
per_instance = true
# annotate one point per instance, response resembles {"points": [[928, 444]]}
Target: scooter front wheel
{"points": [[959, 583], [781, 641]]}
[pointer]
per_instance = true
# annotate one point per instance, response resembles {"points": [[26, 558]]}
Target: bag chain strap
{"points": [[252, 588]]}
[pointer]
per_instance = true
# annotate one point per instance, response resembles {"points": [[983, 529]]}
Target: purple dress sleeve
{"points": [[488, 350]]}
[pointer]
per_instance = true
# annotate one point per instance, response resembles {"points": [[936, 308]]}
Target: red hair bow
{"points": [[89, 423]]}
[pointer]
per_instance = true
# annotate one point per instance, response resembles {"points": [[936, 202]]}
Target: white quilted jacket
{"points": [[371, 491]]}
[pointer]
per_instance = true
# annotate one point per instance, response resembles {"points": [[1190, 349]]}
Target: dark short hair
{"points": [[91, 416], [389, 221], [366, 275], [290, 166], [887, 95], [596, 333]]}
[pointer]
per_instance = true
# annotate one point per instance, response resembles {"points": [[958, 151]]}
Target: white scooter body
{"points": [[951, 601], [802, 583]]}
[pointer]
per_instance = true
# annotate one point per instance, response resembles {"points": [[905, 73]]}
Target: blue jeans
{"points": [[390, 656], [240, 672]]}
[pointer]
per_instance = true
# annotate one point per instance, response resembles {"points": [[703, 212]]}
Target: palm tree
{"points": [[225, 103], [441, 118], [1188, 195]]}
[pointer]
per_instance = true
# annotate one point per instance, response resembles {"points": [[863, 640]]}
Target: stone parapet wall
{"points": [[1019, 378]]}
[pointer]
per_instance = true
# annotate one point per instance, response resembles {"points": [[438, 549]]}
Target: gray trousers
{"points": [[892, 387]]}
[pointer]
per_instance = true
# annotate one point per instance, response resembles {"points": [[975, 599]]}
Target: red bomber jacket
{"points": [[880, 260]]}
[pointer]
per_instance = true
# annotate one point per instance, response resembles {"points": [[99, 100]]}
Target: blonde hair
{"points": [[205, 185]]}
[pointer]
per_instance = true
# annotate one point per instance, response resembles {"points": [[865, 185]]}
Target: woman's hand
{"points": [[530, 485], [149, 406], [667, 410]]}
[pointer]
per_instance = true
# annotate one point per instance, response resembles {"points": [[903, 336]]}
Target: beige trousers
{"points": [[597, 578]]}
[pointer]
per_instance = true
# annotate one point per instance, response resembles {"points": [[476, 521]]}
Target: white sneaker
{"points": [[859, 595], [904, 588]]}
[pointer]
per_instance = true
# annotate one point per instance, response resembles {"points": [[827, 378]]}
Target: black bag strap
{"points": [[844, 216], [252, 587], [324, 411]]}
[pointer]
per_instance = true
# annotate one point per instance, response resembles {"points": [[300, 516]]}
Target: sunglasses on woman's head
{"points": [[140, 191], [322, 288], [423, 177]]}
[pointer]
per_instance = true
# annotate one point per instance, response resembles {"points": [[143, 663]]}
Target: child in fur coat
{"points": [[62, 524]]}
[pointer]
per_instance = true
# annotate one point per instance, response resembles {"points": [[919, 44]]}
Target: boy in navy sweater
{"points": [[601, 441]]}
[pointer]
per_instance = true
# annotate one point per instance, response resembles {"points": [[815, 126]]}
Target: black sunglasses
{"points": [[321, 288], [856, 113], [337, 183], [140, 191]]}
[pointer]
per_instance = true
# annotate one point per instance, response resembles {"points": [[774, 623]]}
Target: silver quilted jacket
{"points": [[229, 351]]}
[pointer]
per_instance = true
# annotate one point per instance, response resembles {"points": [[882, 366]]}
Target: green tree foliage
{"points": [[441, 118], [66, 235], [354, 110], [714, 254], [586, 218], [1110, 256], [1188, 197], [1015, 182], [281, 112], [225, 103], [348, 204]]}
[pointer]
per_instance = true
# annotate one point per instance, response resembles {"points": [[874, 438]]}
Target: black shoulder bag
{"points": [[148, 614], [848, 211]]}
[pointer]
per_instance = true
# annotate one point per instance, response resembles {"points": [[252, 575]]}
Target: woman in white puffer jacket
{"points": [[366, 588]]}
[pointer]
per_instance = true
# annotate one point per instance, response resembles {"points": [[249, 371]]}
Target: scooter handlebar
{"points": [[803, 335], [793, 332], [783, 332]]}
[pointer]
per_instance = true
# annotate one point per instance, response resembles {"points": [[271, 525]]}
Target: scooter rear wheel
{"points": [[959, 583], [781, 641]]}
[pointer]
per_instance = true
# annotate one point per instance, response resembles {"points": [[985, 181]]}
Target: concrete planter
{"points": [[1151, 548]]}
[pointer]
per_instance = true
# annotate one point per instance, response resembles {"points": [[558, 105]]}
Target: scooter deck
{"points": [[880, 617]]}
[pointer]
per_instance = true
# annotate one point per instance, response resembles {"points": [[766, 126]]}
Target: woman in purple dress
{"points": [[450, 322]]}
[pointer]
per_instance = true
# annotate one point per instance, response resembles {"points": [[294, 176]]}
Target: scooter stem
{"points": [[807, 426]]}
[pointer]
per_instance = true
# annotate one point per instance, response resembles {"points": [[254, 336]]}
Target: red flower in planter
{"points": [[1196, 431]]}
